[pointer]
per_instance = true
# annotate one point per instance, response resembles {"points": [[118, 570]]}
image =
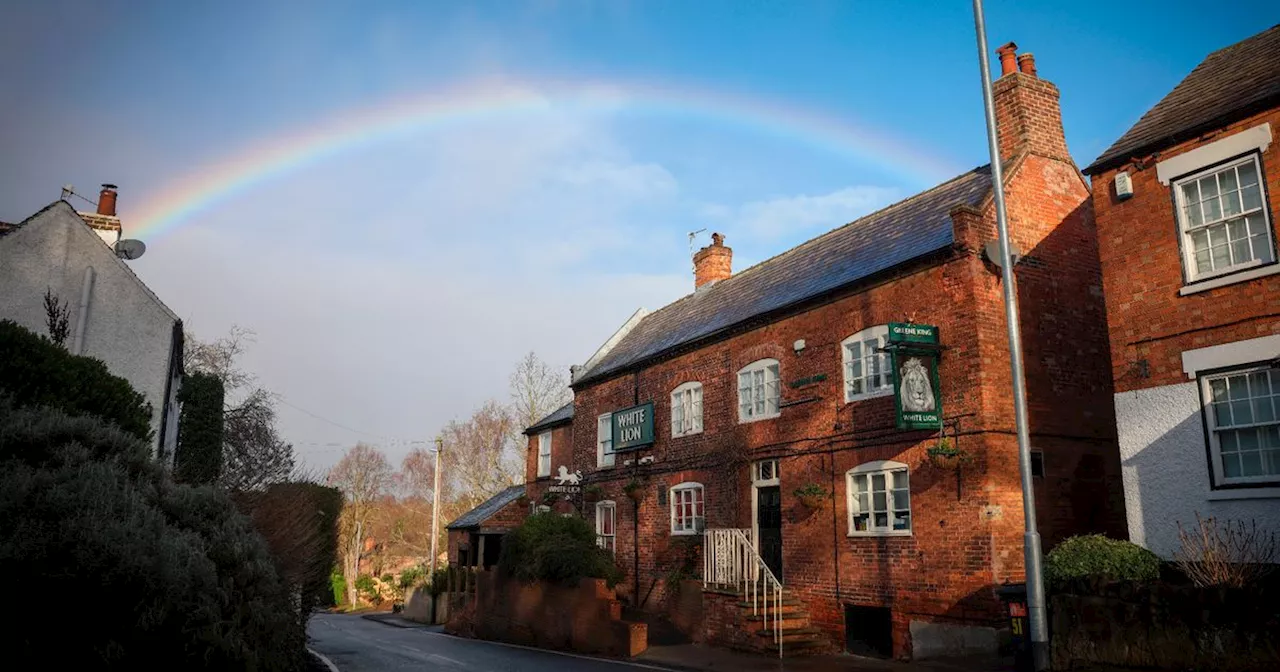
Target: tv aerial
{"points": [[130, 249]]}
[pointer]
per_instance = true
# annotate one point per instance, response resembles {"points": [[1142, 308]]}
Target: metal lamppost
{"points": [[1031, 537], [435, 508]]}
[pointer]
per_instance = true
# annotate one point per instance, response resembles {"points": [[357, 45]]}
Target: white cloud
{"points": [[789, 215]]}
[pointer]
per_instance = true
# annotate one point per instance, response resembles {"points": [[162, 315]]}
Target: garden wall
{"points": [[1166, 627], [585, 618]]}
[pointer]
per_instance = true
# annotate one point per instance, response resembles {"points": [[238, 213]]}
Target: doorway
{"points": [[768, 518], [868, 631]]}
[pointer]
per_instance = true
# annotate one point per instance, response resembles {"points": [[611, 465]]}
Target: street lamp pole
{"points": [[1031, 537], [435, 508]]}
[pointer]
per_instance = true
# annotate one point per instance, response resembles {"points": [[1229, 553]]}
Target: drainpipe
{"points": [[82, 319]]}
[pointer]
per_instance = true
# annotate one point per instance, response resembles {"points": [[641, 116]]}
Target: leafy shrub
{"points": [[36, 372], [367, 587], [411, 577], [560, 549], [199, 456], [177, 577], [299, 522], [1100, 558], [439, 580], [338, 586]]}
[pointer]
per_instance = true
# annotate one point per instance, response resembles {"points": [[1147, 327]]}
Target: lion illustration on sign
{"points": [[916, 390], [567, 478]]}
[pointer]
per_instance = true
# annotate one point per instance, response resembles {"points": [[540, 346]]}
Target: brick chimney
{"points": [[104, 222], [712, 263], [1028, 116]]}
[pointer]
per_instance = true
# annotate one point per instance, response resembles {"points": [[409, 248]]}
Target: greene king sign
{"points": [[917, 395], [633, 427]]}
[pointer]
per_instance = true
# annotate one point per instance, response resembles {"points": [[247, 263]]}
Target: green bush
{"points": [[175, 576], [367, 587], [37, 372], [338, 587], [199, 456], [439, 580], [1097, 557], [555, 548]]}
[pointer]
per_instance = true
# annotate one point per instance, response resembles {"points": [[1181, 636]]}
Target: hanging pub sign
{"points": [[633, 428], [917, 395]]}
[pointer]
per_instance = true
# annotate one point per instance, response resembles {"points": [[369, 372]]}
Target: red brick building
{"points": [[1186, 204], [775, 380]]}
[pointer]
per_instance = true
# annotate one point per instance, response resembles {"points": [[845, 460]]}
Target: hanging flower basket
{"points": [[634, 490], [945, 454], [812, 495], [592, 494]]}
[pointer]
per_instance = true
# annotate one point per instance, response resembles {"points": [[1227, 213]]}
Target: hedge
{"points": [[199, 455], [555, 548], [169, 576], [37, 372], [1099, 558]]}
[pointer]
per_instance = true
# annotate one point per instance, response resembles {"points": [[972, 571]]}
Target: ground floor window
{"points": [[606, 530], [1242, 411], [687, 509], [879, 499]]}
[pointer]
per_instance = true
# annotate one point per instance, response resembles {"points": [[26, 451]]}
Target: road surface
{"points": [[357, 644]]}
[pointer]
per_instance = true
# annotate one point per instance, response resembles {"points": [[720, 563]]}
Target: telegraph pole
{"points": [[435, 508], [1031, 537]]}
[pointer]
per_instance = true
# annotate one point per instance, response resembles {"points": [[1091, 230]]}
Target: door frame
{"points": [[756, 484]]}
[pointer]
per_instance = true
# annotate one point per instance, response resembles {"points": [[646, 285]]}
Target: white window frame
{"points": [[544, 454], [1263, 209], [879, 335], [605, 457], [686, 409], [765, 473], [749, 410], [609, 542], [695, 495], [885, 468], [1212, 428]]}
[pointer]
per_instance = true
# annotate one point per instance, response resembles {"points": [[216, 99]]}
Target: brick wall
{"points": [[561, 454], [1139, 246]]}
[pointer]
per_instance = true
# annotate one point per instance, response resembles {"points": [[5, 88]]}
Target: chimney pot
{"points": [[107, 200], [712, 263], [1027, 63], [1008, 56]]}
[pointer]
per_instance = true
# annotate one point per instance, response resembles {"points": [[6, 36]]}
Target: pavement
{"points": [[378, 642]]}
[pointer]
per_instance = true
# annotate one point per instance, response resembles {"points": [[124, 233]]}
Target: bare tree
{"points": [[1226, 553], [254, 455], [57, 317], [536, 391], [415, 485], [480, 457], [364, 476]]}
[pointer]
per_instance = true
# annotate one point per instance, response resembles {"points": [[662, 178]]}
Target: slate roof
{"points": [[476, 517], [1229, 84], [559, 416], [907, 230]]}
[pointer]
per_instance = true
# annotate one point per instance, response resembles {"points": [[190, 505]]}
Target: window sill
{"points": [[857, 535], [747, 421], [1231, 279], [1244, 493], [888, 391], [681, 436], [685, 533]]}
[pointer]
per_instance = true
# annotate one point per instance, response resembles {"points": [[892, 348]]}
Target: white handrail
{"points": [[730, 560]]}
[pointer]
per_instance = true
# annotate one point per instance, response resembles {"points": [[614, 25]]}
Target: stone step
{"points": [[761, 626], [793, 634]]}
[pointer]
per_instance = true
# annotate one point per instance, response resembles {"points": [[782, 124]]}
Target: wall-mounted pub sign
{"points": [[917, 395], [633, 428]]}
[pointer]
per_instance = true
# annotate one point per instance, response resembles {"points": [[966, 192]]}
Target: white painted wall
{"points": [[127, 327], [1165, 465]]}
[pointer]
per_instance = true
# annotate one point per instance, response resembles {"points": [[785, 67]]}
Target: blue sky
{"points": [[392, 286]]}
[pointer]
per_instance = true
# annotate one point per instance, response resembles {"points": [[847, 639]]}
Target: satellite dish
{"points": [[129, 249], [992, 252]]}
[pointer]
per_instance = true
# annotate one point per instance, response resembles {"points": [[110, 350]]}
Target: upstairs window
{"points": [[606, 531], [544, 454], [604, 441], [1224, 223], [688, 510], [759, 391], [866, 369], [686, 409], [879, 499], [1242, 410]]}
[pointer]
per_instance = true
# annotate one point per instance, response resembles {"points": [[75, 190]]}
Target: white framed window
{"points": [[879, 498], [686, 409], [1242, 411], [866, 370], [604, 441], [688, 512], [606, 525], [1223, 218], [544, 454], [765, 472], [759, 391]]}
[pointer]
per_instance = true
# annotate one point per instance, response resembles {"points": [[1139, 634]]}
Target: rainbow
{"points": [[182, 200]]}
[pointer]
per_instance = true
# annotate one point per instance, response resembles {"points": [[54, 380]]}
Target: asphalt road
{"points": [[357, 644]]}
